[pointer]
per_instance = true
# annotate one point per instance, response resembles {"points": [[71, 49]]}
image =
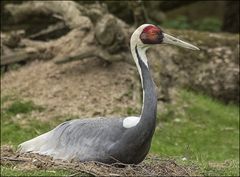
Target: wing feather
{"points": [[80, 139]]}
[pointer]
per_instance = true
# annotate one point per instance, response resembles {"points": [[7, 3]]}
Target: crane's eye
{"points": [[151, 35]]}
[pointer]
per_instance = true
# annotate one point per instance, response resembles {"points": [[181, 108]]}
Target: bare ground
{"points": [[85, 88]]}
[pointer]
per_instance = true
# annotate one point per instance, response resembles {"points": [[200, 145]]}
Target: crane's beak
{"points": [[168, 39]]}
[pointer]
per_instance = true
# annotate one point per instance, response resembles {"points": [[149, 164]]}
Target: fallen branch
{"points": [[17, 57], [47, 32], [14, 159], [105, 37], [67, 10]]}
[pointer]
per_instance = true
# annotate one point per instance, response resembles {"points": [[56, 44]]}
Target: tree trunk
{"points": [[231, 17]]}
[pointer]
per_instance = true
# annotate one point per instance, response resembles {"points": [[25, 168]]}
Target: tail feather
{"points": [[52, 143], [44, 145], [35, 145]]}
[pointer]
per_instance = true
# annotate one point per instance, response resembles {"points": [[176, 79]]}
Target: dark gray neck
{"points": [[148, 115]]}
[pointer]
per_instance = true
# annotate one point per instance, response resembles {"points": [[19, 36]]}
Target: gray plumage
{"points": [[110, 140], [100, 139]]}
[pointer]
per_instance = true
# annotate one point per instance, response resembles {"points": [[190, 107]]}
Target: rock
{"points": [[213, 70]]}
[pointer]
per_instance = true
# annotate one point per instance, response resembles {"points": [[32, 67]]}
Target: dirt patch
{"points": [[152, 165], [85, 88]]}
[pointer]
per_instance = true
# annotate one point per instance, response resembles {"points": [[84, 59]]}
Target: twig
{"points": [[14, 159], [50, 29], [64, 164], [101, 169], [82, 171]]}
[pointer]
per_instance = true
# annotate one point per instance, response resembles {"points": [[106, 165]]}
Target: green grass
{"points": [[15, 128], [203, 131], [23, 107], [198, 129], [10, 171]]}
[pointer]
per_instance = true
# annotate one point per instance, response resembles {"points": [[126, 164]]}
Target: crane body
{"points": [[108, 140]]}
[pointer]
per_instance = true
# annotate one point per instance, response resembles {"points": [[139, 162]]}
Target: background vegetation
{"points": [[193, 129]]}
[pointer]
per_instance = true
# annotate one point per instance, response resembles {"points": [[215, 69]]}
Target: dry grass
{"points": [[152, 166], [82, 89]]}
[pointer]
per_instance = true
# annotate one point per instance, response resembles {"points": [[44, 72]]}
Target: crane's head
{"points": [[148, 34]]}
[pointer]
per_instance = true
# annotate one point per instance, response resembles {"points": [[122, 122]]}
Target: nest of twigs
{"points": [[151, 166]]}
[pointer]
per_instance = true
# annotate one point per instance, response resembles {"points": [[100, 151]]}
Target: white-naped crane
{"points": [[110, 140]]}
